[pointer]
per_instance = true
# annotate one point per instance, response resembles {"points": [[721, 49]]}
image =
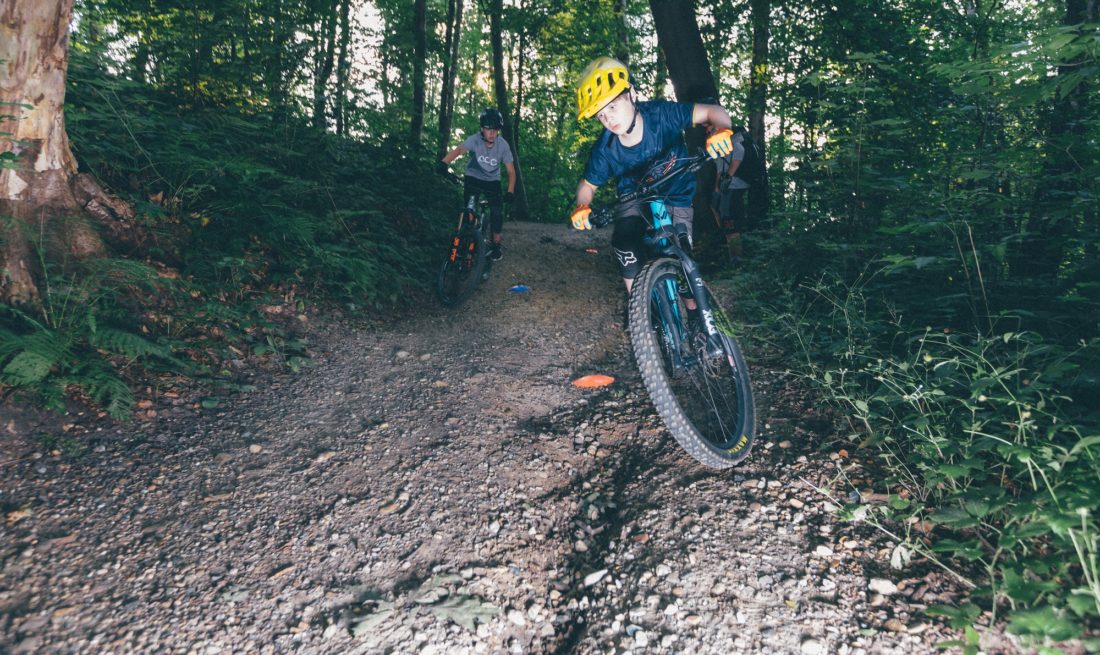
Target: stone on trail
{"points": [[594, 577], [882, 586]]}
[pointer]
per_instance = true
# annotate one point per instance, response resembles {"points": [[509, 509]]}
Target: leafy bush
{"points": [[86, 335], [242, 214], [984, 446]]}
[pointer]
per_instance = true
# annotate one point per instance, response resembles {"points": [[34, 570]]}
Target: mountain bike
{"points": [[467, 264], [683, 340]]}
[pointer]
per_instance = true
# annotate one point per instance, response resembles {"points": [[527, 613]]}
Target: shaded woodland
{"points": [[180, 181]]}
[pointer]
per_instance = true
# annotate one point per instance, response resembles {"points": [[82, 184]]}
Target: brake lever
{"points": [[449, 176]]}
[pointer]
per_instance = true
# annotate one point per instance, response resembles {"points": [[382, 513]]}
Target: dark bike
{"points": [[467, 264], [683, 341]]}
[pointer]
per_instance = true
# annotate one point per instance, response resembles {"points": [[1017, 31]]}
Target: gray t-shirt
{"points": [[485, 160]]}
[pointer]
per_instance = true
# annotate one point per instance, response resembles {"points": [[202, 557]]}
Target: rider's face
{"points": [[618, 114], [489, 134]]}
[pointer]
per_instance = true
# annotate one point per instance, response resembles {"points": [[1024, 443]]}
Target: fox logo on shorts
{"points": [[626, 257]]}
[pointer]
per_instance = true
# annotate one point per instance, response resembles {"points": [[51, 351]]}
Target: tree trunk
{"points": [[519, 87], [420, 47], [660, 76], [622, 28], [343, 67], [519, 205], [274, 78], [141, 59], [758, 103], [387, 49], [450, 69], [44, 195], [326, 52], [678, 36]]}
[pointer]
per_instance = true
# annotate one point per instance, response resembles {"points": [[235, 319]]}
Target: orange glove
{"points": [[580, 218], [720, 143]]}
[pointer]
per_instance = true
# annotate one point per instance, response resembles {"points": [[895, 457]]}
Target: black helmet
{"points": [[491, 119]]}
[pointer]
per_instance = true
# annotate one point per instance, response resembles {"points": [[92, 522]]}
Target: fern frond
{"points": [[127, 344], [26, 368], [31, 357], [109, 391]]}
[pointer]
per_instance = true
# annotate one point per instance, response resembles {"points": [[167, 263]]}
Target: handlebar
{"points": [[448, 175], [602, 216]]}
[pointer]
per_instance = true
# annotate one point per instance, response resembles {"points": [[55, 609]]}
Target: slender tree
{"points": [[622, 31], [343, 66], [325, 58], [758, 102], [520, 61], [44, 195], [519, 207], [450, 69], [420, 47]]}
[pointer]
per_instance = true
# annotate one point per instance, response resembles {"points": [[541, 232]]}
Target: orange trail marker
{"points": [[591, 381]]}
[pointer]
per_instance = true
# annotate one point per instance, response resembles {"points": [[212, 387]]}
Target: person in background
{"points": [[488, 151]]}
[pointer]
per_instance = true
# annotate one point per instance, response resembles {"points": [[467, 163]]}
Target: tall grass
{"points": [[989, 438]]}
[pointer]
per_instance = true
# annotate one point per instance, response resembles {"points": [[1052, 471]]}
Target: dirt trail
{"points": [[438, 486]]}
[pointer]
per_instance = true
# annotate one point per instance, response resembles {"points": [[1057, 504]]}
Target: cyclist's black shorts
{"points": [[491, 192], [631, 223]]}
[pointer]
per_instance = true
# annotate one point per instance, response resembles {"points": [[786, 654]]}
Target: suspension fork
{"points": [[662, 221], [664, 297], [702, 303], [470, 216]]}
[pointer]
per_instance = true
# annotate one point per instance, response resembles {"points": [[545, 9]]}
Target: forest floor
{"points": [[434, 484]]}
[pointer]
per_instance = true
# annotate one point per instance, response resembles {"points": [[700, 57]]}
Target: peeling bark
{"points": [[44, 202]]}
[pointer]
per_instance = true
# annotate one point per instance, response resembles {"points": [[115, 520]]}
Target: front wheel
{"points": [[701, 390], [462, 270]]}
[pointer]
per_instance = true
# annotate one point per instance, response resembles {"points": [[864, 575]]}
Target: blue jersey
{"points": [[662, 141]]}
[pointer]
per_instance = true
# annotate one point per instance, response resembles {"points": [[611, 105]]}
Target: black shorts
{"points": [[631, 224], [491, 192]]}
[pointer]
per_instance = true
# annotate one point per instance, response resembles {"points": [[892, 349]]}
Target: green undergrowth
{"points": [[246, 222], [982, 413]]}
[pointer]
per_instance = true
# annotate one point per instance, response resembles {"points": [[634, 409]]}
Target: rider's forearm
{"points": [[712, 116], [511, 168], [453, 155], [585, 193]]}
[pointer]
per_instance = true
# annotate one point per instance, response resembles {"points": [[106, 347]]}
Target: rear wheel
{"points": [[462, 270], [701, 390]]}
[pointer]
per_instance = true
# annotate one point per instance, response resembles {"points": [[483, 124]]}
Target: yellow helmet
{"points": [[601, 82]]}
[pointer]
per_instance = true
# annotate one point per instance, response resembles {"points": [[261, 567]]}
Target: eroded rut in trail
{"points": [[438, 486]]}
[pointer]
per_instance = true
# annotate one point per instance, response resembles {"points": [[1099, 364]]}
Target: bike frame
{"points": [[663, 240]]}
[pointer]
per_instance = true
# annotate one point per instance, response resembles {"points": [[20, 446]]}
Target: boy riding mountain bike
{"points": [[636, 137], [488, 150]]}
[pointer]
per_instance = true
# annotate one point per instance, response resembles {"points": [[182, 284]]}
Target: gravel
{"points": [[433, 483]]}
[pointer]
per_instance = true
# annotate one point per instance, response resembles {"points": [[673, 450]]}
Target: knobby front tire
{"points": [[458, 278], [704, 400]]}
